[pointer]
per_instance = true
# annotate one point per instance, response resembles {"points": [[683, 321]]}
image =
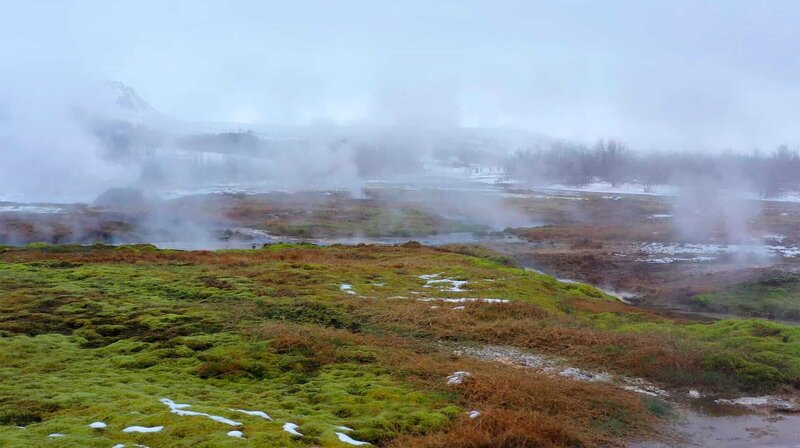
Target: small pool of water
{"points": [[730, 430]]}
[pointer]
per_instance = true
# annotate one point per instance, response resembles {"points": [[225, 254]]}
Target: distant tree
{"points": [[611, 158]]}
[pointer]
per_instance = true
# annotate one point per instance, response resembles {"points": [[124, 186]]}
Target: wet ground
{"points": [[628, 245], [714, 426]]}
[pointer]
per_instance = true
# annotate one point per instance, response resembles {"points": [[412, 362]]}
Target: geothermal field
{"points": [[399, 224], [458, 307]]}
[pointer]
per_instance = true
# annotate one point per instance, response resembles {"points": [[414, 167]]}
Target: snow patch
{"points": [[663, 253], [773, 237], [461, 300], [261, 414], [625, 188], [458, 377], [474, 414], [291, 428], [97, 425], [238, 434], [347, 288], [178, 409], [56, 434], [764, 402], [346, 439], [432, 280], [19, 208], [143, 429]]}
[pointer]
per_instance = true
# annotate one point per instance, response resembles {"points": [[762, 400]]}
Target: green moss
{"points": [[773, 295], [658, 407]]}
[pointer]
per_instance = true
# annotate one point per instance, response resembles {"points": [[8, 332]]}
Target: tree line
{"points": [[766, 173]]}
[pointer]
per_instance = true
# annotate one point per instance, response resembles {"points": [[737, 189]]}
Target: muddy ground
{"points": [[632, 246]]}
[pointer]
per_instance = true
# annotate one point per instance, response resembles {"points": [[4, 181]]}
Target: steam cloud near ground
{"points": [[69, 142]]}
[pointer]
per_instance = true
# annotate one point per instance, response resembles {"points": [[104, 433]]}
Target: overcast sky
{"points": [[671, 74]]}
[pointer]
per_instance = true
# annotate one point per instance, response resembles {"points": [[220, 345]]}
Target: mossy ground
{"points": [[102, 333], [773, 296], [336, 215]]}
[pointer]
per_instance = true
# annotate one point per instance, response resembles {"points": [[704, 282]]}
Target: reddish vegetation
{"points": [[518, 408]]}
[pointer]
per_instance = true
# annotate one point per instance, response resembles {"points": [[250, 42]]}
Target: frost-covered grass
{"points": [[253, 341]]}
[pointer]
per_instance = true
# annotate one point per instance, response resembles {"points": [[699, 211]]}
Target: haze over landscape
{"points": [[448, 224]]}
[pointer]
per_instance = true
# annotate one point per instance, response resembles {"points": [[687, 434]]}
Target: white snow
{"points": [[793, 196], [346, 439], [217, 418], [247, 232], [238, 434], [291, 428], [143, 429], [461, 300], [625, 188], [457, 377], [119, 445], [30, 209], [348, 288], [774, 237], [668, 260], [474, 414], [97, 425], [344, 428], [178, 409], [255, 413], [747, 401], [55, 434], [433, 279], [766, 401], [660, 216], [693, 394], [663, 253], [640, 386], [640, 391], [786, 251], [455, 285], [172, 405]]}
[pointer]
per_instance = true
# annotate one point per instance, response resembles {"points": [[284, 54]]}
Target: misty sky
{"points": [[671, 74]]}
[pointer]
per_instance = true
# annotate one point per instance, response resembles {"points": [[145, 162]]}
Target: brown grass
{"points": [[519, 407], [527, 326]]}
